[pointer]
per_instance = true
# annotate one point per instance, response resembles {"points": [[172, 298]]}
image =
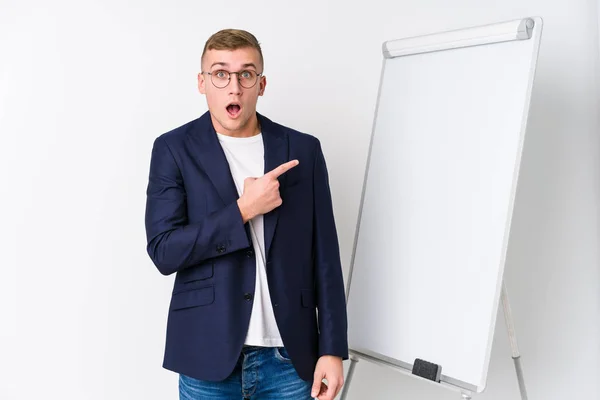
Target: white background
{"points": [[86, 86]]}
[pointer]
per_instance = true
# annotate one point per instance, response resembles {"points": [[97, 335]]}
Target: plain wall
{"points": [[86, 86]]}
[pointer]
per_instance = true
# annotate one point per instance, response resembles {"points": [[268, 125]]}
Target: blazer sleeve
{"points": [[172, 243], [331, 298]]}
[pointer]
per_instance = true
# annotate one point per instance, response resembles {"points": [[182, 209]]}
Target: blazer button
{"points": [[250, 253], [220, 249], [248, 296]]}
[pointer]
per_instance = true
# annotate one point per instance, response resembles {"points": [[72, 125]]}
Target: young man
{"points": [[239, 207]]}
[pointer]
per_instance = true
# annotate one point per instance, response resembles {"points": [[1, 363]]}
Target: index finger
{"points": [[283, 168]]}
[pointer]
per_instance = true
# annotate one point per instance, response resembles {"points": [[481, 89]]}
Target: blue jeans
{"points": [[261, 373]]}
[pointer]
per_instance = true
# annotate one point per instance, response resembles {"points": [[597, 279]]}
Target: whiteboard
{"points": [[434, 221]]}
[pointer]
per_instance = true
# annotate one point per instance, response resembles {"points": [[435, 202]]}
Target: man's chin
{"points": [[223, 123], [233, 126]]}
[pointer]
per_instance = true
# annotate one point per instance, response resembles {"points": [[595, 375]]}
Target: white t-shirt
{"points": [[246, 159]]}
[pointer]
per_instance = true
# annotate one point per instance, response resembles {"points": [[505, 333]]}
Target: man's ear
{"points": [[201, 83], [263, 85]]}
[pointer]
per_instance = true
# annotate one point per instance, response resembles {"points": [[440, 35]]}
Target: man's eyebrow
{"points": [[219, 63], [223, 64]]}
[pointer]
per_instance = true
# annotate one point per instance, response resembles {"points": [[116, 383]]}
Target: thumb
{"points": [[316, 387], [248, 181]]}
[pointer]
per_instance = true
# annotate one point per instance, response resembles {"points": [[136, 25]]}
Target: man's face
{"points": [[232, 108]]}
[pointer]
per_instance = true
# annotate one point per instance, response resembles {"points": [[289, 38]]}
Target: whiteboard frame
{"points": [[422, 44]]}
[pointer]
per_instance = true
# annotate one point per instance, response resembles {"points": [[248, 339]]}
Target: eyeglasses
{"points": [[221, 78]]}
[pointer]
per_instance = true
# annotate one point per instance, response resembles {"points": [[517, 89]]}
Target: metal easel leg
{"points": [[353, 361], [516, 356]]}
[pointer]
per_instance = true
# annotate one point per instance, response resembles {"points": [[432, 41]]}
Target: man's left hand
{"points": [[330, 368]]}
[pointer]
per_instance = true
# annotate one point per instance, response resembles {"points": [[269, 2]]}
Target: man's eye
{"points": [[221, 74]]}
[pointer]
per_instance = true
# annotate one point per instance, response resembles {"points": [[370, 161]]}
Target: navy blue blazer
{"points": [[194, 229]]}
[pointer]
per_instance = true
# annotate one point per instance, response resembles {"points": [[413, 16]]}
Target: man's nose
{"points": [[234, 83]]}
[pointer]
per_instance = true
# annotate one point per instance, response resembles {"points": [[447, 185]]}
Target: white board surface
{"points": [[433, 227]]}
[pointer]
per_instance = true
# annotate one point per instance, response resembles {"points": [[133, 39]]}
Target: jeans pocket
{"points": [[282, 355]]}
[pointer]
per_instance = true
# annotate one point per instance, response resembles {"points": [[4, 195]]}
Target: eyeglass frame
{"points": [[229, 78]]}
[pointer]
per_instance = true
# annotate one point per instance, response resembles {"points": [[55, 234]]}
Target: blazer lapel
{"points": [[276, 153], [207, 150]]}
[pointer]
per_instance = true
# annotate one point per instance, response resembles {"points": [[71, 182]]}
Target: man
{"points": [[239, 207]]}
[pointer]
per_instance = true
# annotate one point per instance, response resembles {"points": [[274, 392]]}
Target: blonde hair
{"points": [[232, 39]]}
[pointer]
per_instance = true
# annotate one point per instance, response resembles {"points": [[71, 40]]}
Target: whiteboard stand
{"points": [[513, 342], [466, 395], [353, 361]]}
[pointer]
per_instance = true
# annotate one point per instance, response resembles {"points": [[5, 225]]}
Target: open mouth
{"points": [[234, 109]]}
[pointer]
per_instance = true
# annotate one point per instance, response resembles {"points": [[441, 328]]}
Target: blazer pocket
{"points": [[308, 299], [193, 298], [198, 272]]}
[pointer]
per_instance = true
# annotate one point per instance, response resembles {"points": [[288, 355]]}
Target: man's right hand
{"points": [[261, 195]]}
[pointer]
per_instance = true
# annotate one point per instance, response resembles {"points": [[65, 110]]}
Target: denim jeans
{"points": [[261, 373]]}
